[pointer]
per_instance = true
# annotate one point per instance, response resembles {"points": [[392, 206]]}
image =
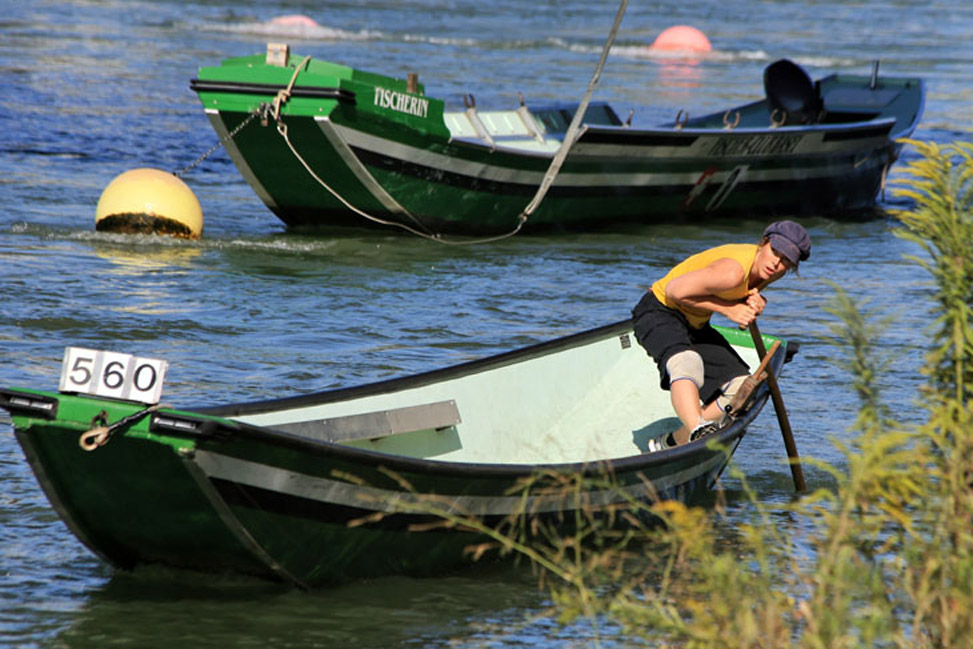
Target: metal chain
{"points": [[229, 136]]}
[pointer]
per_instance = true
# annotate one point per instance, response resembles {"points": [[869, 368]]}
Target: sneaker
{"points": [[704, 429], [660, 443]]}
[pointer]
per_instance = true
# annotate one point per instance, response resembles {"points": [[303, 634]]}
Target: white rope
{"points": [[549, 176], [571, 134], [285, 94], [282, 129]]}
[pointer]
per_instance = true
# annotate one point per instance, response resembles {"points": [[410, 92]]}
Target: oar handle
{"points": [[785, 427]]}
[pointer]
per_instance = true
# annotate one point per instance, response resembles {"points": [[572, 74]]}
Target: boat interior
{"points": [[585, 403], [791, 99]]}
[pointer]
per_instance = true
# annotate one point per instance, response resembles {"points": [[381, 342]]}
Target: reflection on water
{"points": [[676, 81], [174, 608], [137, 254]]}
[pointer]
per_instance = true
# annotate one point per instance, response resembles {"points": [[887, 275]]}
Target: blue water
{"points": [[90, 89]]}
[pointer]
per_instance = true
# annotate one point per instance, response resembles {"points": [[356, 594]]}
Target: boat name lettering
{"points": [[401, 102], [729, 145]]}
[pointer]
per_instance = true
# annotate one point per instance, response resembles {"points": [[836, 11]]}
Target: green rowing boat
{"points": [[328, 145], [336, 485]]}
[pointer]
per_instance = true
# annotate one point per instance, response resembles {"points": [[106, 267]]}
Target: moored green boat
{"points": [[327, 145], [329, 486]]}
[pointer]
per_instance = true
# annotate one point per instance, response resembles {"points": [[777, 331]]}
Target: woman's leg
{"points": [[685, 401]]}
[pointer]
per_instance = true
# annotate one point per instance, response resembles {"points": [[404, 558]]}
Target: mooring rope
{"points": [[428, 234], [282, 129], [548, 180], [285, 94], [549, 176], [98, 436], [572, 132], [260, 111]]}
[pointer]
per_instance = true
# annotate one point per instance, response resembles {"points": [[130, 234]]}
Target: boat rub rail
{"points": [[270, 89]]}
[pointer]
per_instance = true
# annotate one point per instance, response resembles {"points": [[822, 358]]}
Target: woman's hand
{"points": [[744, 312], [756, 301], [741, 313]]}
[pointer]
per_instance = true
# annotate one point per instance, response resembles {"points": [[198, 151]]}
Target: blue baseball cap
{"points": [[790, 239]]}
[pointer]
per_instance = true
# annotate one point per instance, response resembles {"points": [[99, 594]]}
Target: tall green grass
{"points": [[881, 557]]}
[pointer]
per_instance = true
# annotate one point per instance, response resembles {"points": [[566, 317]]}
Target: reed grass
{"points": [[880, 557]]}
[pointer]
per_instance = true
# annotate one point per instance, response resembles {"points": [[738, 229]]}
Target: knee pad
{"points": [[685, 365], [729, 390]]}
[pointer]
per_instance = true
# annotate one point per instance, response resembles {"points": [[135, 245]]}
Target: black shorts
{"points": [[664, 332]]}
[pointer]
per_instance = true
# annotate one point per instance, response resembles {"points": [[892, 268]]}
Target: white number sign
{"points": [[110, 374]]}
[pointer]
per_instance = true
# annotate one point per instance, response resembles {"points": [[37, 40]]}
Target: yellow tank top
{"points": [[743, 253]]}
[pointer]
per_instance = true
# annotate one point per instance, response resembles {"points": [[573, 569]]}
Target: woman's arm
{"points": [[697, 290]]}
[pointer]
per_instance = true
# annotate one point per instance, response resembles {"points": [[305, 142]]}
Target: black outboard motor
{"points": [[791, 94]]}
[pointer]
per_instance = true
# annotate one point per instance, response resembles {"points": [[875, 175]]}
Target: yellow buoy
{"points": [[149, 201]]}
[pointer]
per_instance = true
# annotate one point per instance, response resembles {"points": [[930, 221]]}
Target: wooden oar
{"points": [[785, 426]]}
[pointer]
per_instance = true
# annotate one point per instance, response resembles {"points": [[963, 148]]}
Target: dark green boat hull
{"points": [[205, 491]]}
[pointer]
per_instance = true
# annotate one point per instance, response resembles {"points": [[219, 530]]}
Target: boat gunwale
{"points": [[670, 137], [592, 468], [423, 466], [271, 89], [420, 379], [594, 130], [742, 131], [224, 417]]}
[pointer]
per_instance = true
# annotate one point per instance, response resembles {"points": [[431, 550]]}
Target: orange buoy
{"points": [[681, 38], [294, 20]]}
